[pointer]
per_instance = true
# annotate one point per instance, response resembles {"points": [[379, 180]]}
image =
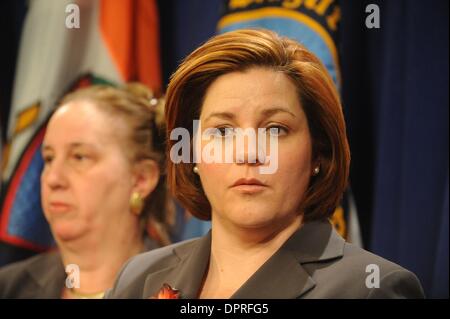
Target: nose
{"points": [[54, 175], [250, 151]]}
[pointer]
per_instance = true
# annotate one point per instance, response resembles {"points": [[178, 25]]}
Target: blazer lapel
{"points": [[283, 275], [186, 275], [49, 275]]}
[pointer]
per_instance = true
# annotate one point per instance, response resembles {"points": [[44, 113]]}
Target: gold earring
{"points": [[316, 171], [136, 203], [195, 169]]}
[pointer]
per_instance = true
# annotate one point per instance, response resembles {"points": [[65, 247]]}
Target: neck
{"points": [[265, 239], [228, 270], [99, 259]]}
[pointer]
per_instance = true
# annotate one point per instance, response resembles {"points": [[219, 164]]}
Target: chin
{"points": [[253, 217], [66, 231]]}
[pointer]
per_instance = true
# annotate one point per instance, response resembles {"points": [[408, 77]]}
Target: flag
{"points": [[314, 24], [65, 45]]}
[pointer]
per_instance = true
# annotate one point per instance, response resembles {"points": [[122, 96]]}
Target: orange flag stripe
{"points": [[130, 29]]}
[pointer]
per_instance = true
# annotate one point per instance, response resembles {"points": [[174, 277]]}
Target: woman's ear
{"points": [[146, 176]]}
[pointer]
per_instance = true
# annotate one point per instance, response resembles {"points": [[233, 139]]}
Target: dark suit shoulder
{"points": [[395, 280], [16, 276], [362, 274], [360, 257], [131, 279]]}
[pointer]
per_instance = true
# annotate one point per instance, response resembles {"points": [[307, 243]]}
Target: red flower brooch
{"points": [[167, 292]]}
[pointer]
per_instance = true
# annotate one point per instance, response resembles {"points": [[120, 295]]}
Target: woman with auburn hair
{"points": [[103, 193], [270, 236]]}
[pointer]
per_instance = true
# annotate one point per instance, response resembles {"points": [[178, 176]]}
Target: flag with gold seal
{"points": [[315, 24]]}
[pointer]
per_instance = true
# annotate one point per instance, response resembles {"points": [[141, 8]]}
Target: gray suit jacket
{"points": [[315, 262], [41, 276]]}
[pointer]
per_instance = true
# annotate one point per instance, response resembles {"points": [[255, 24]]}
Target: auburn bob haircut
{"points": [[238, 51]]}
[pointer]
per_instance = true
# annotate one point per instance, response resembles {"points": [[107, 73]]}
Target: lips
{"points": [[249, 185], [59, 207], [248, 181]]}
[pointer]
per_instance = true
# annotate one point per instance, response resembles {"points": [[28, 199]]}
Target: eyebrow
{"points": [[275, 110], [71, 145], [267, 113]]}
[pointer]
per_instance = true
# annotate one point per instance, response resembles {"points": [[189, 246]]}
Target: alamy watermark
{"points": [[373, 279], [373, 19], [227, 145], [73, 16], [73, 276]]}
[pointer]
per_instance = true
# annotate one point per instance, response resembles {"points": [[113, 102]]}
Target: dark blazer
{"points": [[41, 276], [315, 262]]}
